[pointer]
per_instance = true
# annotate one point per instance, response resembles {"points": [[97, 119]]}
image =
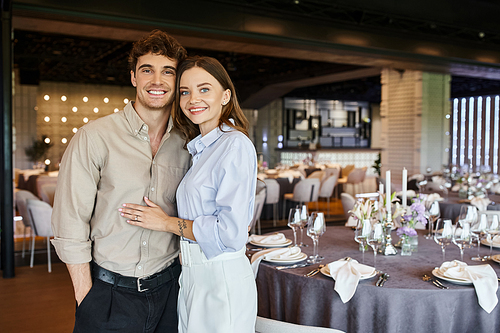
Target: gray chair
{"points": [[20, 198], [306, 190], [265, 325], [273, 196], [348, 202], [40, 214], [47, 192], [326, 190], [260, 199]]}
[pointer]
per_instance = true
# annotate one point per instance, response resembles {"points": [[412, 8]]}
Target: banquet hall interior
{"points": [[354, 96]]}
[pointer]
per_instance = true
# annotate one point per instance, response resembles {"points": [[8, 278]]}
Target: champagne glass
{"points": [[478, 229], [492, 230], [294, 222], [468, 214], [432, 213], [376, 239], [304, 216], [316, 227], [443, 234], [361, 234], [462, 236]]}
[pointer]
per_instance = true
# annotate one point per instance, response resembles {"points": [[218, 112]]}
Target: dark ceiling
{"points": [[48, 57]]}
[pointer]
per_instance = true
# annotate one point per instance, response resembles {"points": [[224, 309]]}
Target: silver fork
{"points": [[314, 271]]}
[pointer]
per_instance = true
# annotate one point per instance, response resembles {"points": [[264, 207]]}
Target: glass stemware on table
{"points": [[316, 227], [294, 222], [304, 216], [462, 234], [443, 234], [478, 229], [375, 239], [492, 230], [361, 234], [432, 213]]}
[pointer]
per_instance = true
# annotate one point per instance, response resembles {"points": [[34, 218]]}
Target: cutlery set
{"points": [[314, 271], [435, 282], [381, 279]]}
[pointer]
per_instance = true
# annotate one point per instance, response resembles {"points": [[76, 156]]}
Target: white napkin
{"points": [[346, 274], [274, 239], [409, 194], [483, 277], [433, 197], [480, 203], [290, 253], [438, 180], [455, 188], [280, 253], [496, 188]]}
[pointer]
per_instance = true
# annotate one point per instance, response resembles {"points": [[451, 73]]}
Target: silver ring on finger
{"points": [[136, 217]]}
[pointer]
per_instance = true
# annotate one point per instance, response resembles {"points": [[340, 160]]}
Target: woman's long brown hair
{"points": [[231, 110]]}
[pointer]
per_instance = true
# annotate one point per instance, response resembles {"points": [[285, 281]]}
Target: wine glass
{"points": [[432, 213], [478, 229], [316, 227], [294, 222], [304, 215], [443, 234], [376, 239], [462, 236], [361, 234], [468, 214], [492, 230]]}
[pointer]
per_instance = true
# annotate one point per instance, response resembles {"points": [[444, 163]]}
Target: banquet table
{"points": [[450, 206], [286, 186], [405, 303]]}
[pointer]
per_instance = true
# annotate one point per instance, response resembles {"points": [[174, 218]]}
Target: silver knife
{"points": [[380, 278], [292, 266], [385, 277]]}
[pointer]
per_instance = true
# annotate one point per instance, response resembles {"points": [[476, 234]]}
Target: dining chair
{"points": [[333, 171], [40, 214], [355, 177], [306, 190], [273, 196], [42, 180], [260, 199], [47, 192], [348, 202], [266, 325], [326, 190], [20, 198], [320, 174]]}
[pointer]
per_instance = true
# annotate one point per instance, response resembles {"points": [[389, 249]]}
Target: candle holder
{"points": [[388, 248]]}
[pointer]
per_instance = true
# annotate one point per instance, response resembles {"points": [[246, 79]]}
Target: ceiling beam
{"points": [[274, 91]]}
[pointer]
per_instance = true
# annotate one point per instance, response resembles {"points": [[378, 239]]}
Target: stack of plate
{"points": [[270, 242], [285, 256], [437, 273]]}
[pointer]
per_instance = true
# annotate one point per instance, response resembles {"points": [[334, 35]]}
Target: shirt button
{"points": [[185, 213], [145, 138], [140, 267], [152, 188], [144, 243], [136, 131], [154, 162]]}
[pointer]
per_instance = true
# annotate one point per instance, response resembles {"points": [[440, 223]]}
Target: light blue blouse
{"points": [[218, 191]]}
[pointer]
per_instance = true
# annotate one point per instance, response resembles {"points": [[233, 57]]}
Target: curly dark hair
{"points": [[157, 42], [231, 110]]}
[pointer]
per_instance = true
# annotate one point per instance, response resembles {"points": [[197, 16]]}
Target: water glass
{"points": [[443, 234], [361, 234], [432, 212], [304, 216], [294, 222], [376, 239], [492, 230], [478, 229], [316, 227], [462, 236]]}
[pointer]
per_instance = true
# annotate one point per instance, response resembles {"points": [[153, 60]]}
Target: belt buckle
{"points": [[139, 286]]}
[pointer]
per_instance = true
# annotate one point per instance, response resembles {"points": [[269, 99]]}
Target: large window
{"points": [[475, 130]]}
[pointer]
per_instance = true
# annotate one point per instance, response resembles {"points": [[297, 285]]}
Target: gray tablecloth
{"points": [[405, 304], [450, 207]]}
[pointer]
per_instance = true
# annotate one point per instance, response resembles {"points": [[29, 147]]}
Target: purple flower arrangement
{"points": [[414, 214]]}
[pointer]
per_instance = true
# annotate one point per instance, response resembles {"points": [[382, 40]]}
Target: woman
{"points": [[214, 202]]}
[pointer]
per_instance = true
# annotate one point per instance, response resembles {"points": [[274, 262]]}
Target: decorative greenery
{"points": [[38, 150], [377, 164]]}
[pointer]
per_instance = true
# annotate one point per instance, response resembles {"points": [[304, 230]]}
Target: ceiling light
{"points": [[47, 162], [125, 101], [47, 119], [106, 100], [64, 119], [96, 110], [74, 109], [75, 129], [85, 120], [85, 99], [63, 98], [46, 97], [47, 140], [64, 140], [116, 110]]}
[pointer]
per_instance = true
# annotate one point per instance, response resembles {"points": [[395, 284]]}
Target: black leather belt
{"points": [[141, 283]]}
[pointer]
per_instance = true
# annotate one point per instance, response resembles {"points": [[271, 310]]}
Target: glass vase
{"points": [[405, 246], [414, 243]]}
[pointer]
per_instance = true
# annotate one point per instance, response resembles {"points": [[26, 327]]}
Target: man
{"points": [[125, 277]]}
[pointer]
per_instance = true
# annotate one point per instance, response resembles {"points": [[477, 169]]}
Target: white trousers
{"points": [[217, 295]]}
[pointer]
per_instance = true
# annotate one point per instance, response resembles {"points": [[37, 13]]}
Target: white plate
{"points": [[326, 271], [496, 258], [438, 274], [486, 243], [288, 242], [281, 261]]}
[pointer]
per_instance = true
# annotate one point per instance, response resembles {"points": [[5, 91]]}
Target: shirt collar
{"points": [[136, 123], [205, 141]]}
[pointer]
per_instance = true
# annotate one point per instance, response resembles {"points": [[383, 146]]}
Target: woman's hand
{"points": [[148, 217]]}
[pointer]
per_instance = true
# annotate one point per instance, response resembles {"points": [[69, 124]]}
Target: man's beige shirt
{"points": [[108, 163]]}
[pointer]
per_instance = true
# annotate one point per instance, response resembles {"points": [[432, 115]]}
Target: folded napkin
{"points": [[346, 274], [495, 188], [433, 197], [438, 180], [495, 240], [480, 203], [409, 194], [483, 277], [280, 254], [274, 239], [455, 188]]}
